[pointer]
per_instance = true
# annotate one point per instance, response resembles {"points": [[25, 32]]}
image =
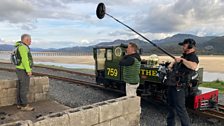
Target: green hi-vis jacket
{"points": [[26, 57]]}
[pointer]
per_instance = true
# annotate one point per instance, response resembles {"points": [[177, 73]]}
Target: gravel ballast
{"points": [[75, 96], [155, 115]]}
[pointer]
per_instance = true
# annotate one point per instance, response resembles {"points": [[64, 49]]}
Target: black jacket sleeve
{"points": [[127, 61], [194, 58]]}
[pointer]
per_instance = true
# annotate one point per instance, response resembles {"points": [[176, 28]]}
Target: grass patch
{"points": [[215, 84]]}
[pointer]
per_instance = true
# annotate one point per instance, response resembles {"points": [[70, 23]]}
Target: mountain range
{"points": [[6, 47], [205, 45]]}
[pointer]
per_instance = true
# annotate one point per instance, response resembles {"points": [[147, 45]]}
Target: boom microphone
{"points": [[101, 12]]}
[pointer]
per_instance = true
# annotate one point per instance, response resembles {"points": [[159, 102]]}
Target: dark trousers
{"points": [[22, 87], [176, 101]]}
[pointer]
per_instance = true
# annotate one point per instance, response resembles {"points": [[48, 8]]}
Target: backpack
{"points": [[15, 57]]}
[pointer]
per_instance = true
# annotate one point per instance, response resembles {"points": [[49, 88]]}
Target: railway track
{"points": [[221, 107], [58, 69], [72, 81], [216, 114]]}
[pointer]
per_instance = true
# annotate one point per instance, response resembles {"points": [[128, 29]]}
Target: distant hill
{"points": [[214, 46], [142, 44], [171, 43], [39, 49], [5, 47], [180, 37], [205, 45]]}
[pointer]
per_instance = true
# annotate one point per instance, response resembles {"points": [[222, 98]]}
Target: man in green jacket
{"points": [[131, 67], [24, 72]]}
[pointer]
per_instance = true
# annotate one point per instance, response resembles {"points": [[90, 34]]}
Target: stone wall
{"points": [[123, 111], [38, 90]]}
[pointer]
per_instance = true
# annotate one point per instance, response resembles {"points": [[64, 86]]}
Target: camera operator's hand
{"points": [[179, 60]]}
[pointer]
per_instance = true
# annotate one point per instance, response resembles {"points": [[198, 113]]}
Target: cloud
{"points": [[202, 10], [121, 33], [84, 42], [181, 15], [60, 23], [108, 2], [52, 4], [22, 11], [15, 11], [1, 41], [52, 44], [28, 26], [26, 13]]}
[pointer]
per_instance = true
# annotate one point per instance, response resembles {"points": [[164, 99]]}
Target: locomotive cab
{"points": [[99, 57], [108, 71]]}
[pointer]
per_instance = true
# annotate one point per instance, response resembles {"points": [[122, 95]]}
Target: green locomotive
{"points": [[109, 73]]}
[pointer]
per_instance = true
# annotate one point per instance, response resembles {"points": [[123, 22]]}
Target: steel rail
{"points": [[58, 69], [73, 81], [221, 107]]}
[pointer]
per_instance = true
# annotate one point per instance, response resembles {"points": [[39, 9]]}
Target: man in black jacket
{"points": [[176, 94], [131, 64]]}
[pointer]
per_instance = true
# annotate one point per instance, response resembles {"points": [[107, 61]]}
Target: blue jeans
{"points": [[176, 101]]}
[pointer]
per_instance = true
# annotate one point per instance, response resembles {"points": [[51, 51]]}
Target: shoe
{"points": [[18, 106], [27, 108]]}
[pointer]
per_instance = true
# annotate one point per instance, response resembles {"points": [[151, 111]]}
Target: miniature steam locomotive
{"points": [[109, 73]]}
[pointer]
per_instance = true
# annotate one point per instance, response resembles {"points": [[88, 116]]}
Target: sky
{"points": [[68, 23]]}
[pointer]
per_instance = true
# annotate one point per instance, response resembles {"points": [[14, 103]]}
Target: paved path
{"points": [[11, 113]]}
